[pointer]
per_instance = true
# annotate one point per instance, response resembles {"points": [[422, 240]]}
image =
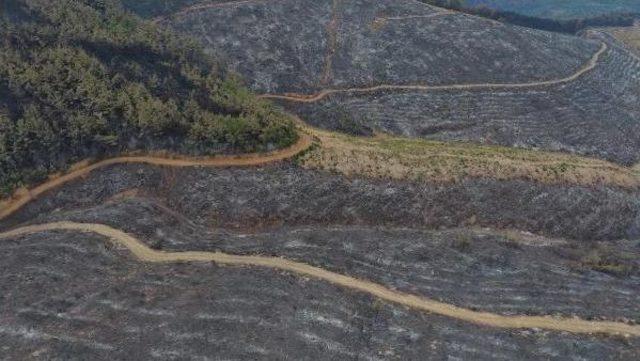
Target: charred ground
{"points": [[304, 47], [533, 244], [242, 212]]}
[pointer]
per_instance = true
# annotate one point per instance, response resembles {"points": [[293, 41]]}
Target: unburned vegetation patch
{"points": [[385, 156]]}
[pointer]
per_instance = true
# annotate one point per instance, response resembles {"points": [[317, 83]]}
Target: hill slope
{"points": [[550, 102], [495, 252], [82, 81], [291, 45], [369, 229]]}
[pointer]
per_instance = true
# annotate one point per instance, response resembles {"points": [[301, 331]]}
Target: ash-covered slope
{"points": [[96, 301], [304, 46], [478, 79]]}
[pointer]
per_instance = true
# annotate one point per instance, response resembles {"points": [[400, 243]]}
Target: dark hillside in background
{"points": [[571, 26], [560, 9], [155, 8]]}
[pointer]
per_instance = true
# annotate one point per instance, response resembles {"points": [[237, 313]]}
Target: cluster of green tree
{"points": [[85, 78], [571, 26]]}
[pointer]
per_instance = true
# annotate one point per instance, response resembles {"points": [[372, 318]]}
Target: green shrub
{"points": [[602, 260]]}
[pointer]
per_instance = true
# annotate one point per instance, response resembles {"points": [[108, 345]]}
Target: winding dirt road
{"points": [[409, 17], [143, 253], [232, 3], [146, 254], [10, 206], [198, 7], [312, 98]]}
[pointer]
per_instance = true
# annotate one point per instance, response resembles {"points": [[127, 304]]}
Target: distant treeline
{"points": [[571, 26]]}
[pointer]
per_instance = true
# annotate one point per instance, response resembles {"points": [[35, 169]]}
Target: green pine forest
{"points": [[88, 79]]}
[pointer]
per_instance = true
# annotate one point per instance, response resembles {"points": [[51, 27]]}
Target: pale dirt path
{"points": [[205, 6], [146, 254], [12, 205], [312, 98], [409, 17], [622, 44]]}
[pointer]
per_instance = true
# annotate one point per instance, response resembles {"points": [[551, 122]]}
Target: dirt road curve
{"points": [[146, 254], [12, 205], [311, 98]]}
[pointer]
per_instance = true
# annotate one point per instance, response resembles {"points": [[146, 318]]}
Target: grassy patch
{"points": [[629, 36], [422, 160]]}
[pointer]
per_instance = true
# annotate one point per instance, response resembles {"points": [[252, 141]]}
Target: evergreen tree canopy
{"points": [[82, 78]]}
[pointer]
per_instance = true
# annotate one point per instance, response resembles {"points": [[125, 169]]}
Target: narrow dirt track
{"points": [[409, 17], [312, 98], [146, 254], [10, 206], [215, 5], [198, 7], [332, 43]]}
